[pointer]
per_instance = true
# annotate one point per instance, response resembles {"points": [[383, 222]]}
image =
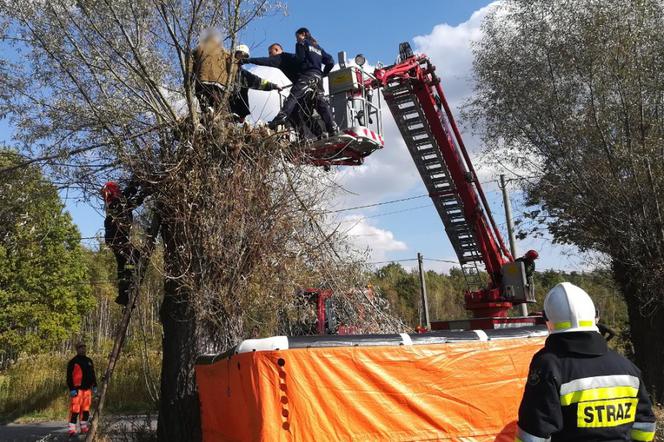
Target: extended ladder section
{"points": [[416, 100], [426, 153]]}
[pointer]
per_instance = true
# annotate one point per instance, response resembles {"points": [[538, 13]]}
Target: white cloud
{"points": [[378, 241], [450, 50]]}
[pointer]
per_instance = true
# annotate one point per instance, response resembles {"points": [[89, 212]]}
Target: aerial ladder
{"points": [[496, 281], [413, 92]]}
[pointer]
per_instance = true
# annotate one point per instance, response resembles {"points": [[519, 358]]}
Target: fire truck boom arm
{"points": [[417, 102]]}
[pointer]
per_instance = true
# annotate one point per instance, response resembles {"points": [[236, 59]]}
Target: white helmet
{"points": [[568, 308], [244, 49]]}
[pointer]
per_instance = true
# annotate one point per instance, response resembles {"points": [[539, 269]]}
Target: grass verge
{"points": [[35, 387]]}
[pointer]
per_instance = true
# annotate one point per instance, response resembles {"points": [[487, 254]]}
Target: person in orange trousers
{"points": [[82, 385]]}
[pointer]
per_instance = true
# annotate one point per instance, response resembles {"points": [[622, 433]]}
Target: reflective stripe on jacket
{"points": [[579, 390]]}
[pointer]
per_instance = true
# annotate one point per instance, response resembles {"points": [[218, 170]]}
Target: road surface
{"points": [[57, 430]]}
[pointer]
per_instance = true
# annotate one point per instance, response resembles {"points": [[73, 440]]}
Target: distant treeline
{"points": [[445, 293]]}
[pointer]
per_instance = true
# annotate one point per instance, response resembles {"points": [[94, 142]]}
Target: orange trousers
{"points": [[81, 402]]}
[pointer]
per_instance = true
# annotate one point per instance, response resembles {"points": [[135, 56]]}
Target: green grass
{"points": [[35, 387]]}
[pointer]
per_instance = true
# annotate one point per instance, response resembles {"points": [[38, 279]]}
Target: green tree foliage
{"points": [[43, 276], [402, 289], [571, 92]]}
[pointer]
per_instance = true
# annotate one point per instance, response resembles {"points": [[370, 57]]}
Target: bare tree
{"points": [[99, 89], [570, 93]]}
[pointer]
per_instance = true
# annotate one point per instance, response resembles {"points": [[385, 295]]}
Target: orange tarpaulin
{"points": [[464, 391]]}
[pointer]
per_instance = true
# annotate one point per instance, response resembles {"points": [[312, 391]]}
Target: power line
{"points": [[442, 260], [413, 259], [366, 206], [378, 204], [378, 215], [391, 261]]}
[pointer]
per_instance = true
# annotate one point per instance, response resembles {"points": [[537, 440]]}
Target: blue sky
{"points": [[444, 30], [374, 28]]}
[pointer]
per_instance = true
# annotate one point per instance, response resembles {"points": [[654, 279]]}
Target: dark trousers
{"points": [[209, 95], [301, 120], [126, 258], [310, 84]]}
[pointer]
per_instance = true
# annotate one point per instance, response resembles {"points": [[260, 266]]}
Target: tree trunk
{"points": [[646, 324], [185, 337], [179, 409]]}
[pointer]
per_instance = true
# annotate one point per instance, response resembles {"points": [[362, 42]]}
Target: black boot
{"points": [[123, 293], [333, 131], [279, 120]]}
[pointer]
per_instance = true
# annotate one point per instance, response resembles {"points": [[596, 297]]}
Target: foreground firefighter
{"points": [[82, 384], [120, 205], [577, 388]]}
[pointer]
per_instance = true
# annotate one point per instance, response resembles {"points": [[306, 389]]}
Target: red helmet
{"points": [[532, 254], [111, 191]]}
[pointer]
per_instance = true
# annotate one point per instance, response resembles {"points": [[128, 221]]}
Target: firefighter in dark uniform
{"points": [[578, 389], [239, 99], [289, 65], [528, 261], [284, 61], [315, 64], [120, 205]]}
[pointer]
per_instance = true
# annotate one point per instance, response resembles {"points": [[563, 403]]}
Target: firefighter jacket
{"points": [[579, 390], [213, 64], [81, 373], [528, 265], [239, 100], [119, 217]]}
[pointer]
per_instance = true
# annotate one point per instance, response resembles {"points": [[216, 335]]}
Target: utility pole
{"points": [[423, 292], [510, 230]]}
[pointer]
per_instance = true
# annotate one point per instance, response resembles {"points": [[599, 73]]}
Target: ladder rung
{"points": [[425, 149], [440, 180], [431, 159]]}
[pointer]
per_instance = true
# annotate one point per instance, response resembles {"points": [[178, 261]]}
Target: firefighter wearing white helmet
{"points": [[239, 99], [568, 308], [578, 389], [242, 51]]}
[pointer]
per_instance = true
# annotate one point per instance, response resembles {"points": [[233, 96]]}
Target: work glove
{"points": [[94, 390], [73, 393]]}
